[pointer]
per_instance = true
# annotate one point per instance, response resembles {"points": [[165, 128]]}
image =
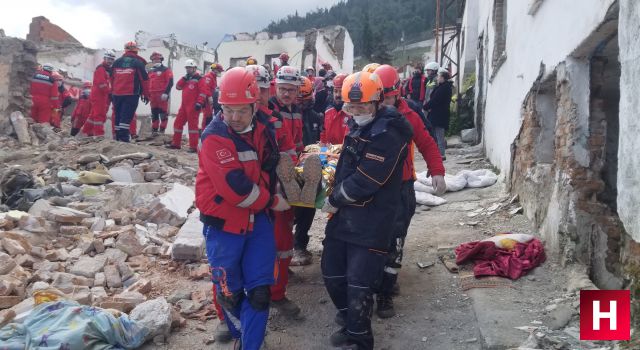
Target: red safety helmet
{"points": [[390, 79], [284, 57], [217, 67], [131, 46], [157, 55], [238, 87], [87, 84], [338, 80]]}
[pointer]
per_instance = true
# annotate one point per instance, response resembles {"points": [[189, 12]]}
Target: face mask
{"points": [[330, 83], [86, 92], [363, 120]]}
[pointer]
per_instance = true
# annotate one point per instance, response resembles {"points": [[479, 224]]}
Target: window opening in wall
{"points": [[500, 33]]}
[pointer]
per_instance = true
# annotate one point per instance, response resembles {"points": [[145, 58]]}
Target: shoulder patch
{"points": [[374, 157], [223, 154]]}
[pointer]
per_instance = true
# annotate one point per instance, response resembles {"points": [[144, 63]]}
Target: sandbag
{"points": [[479, 178], [420, 187], [455, 183]]}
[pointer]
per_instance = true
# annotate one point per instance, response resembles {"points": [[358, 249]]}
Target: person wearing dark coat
{"points": [[438, 108]]}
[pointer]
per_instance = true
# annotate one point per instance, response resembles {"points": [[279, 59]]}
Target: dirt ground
{"points": [[432, 310]]}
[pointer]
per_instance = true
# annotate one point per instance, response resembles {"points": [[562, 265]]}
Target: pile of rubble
{"points": [[104, 228]]}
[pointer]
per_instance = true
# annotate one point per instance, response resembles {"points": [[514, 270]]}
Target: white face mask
{"points": [[330, 83], [363, 120]]}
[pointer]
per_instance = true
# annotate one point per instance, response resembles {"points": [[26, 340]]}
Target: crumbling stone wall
{"points": [[17, 66], [42, 30]]}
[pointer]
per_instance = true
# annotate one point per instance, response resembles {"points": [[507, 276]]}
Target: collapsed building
{"points": [[313, 47], [555, 96]]}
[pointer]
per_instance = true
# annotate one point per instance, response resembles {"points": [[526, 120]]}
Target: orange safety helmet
{"points": [[284, 57], [251, 60], [390, 79], [156, 55], [217, 67], [371, 67], [362, 87], [87, 84], [306, 88], [338, 80], [238, 87], [131, 46]]}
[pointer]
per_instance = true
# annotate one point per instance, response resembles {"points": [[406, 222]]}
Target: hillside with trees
{"points": [[376, 26]]}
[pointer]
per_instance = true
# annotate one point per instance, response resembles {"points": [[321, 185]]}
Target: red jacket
{"points": [[291, 121], [43, 86], [193, 90], [425, 143], [129, 76], [210, 82], [101, 82], [285, 143], [160, 80], [335, 126], [423, 87], [83, 108], [231, 185]]}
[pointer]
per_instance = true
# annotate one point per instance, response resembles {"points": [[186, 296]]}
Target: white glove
{"points": [[328, 208], [164, 97], [210, 100], [439, 186], [279, 203]]}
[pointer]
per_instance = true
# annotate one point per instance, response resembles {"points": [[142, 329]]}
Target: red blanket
{"points": [[493, 261]]}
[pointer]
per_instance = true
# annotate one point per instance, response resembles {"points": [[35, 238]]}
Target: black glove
{"points": [[198, 106]]}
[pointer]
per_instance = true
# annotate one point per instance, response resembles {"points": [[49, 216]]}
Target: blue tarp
{"points": [[67, 325]]}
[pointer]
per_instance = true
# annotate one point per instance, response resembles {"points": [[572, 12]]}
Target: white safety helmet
{"points": [[262, 75], [288, 75], [444, 72], [109, 54], [190, 64], [434, 66], [48, 67]]}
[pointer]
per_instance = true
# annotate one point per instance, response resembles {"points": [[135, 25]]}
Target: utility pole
{"points": [[437, 50]]}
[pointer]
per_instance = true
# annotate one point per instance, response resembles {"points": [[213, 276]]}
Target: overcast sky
{"points": [[108, 24]]}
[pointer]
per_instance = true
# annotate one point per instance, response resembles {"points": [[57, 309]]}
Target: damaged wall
{"points": [[564, 164], [628, 154], [330, 44], [527, 45], [17, 66]]}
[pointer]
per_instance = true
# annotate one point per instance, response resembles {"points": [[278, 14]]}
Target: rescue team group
{"points": [[243, 186]]}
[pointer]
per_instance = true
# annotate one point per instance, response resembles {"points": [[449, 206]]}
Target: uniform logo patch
{"points": [[223, 154], [374, 157]]}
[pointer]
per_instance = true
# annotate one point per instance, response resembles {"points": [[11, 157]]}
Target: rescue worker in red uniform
{"points": [[100, 96], [82, 110], [287, 83], [160, 84], [284, 61], [283, 221], [235, 193], [429, 150], [193, 99], [65, 100], [335, 119], [211, 83], [44, 94], [130, 83], [416, 86]]}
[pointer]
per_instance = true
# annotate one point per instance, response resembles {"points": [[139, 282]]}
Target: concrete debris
{"points": [[21, 127], [189, 243], [66, 215], [129, 243], [88, 267], [6, 263], [155, 315], [469, 135], [179, 199], [126, 175], [112, 276]]}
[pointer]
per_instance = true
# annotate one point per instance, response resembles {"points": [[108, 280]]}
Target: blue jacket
{"points": [[368, 179]]}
